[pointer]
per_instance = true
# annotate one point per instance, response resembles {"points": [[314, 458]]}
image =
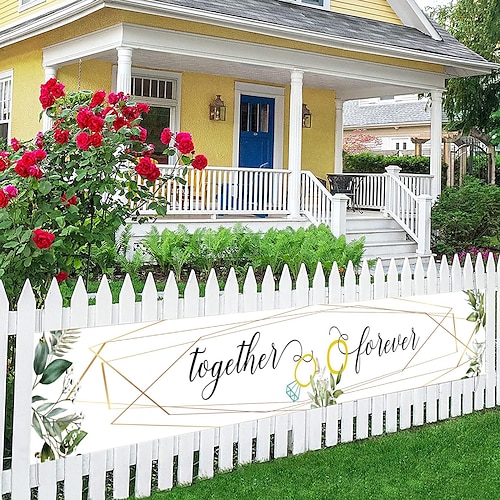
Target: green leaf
{"points": [[71, 441], [54, 412], [44, 406], [44, 187], [47, 453], [41, 354], [36, 425], [54, 370], [35, 399]]}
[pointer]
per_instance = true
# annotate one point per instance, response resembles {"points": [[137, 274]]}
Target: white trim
{"points": [[31, 3], [325, 4], [9, 75], [276, 93], [232, 51], [411, 15]]}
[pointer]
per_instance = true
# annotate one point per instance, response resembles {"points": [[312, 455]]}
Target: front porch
{"points": [[391, 210]]}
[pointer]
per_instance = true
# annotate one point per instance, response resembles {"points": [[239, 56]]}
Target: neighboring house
{"points": [[400, 122], [264, 58]]}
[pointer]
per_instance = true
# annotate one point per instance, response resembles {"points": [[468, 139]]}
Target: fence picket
{"points": [[166, 463], [334, 286], [185, 464], [149, 300], [456, 398], [226, 440], [22, 394], [314, 420], [126, 301], [405, 410], [444, 401], [191, 297], [432, 280], [212, 295], [379, 281], [468, 394], [479, 273], [418, 396], [392, 280], [479, 390], [431, 407], [456, 275], [302, 288], [298, 432], [231, 293], [245, 435], [406, 279], [362, 413], [468, 273], [378, 415], [170, 301], [53, 307], [281, 436], [268, 290], [350, 283], [332, 425], [73, 477], [347, 421], [365, 291], [143, 470], [97, 475], [318, 290], [103, 303], [206, 455], [250, 292], [391, 412], [263, 445], [444, 276], [285, 289], [79, 306], [46, 472], [418, 278], [121, 471]]}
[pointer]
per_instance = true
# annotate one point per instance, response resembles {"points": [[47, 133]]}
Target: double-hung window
{"points": [[5, 104], [161, 91]]}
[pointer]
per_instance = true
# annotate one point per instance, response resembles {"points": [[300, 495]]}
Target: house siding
{"points": [[379, 10], [9, 10]]}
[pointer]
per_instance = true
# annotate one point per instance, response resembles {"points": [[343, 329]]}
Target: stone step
{"points": [[389, 250], [378, 236]]}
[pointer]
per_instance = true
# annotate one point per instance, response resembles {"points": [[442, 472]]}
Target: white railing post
{"points": [[424, 203], [338, 223], [392, 171]]}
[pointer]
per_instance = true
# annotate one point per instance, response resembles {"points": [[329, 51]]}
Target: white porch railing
{"points": [[410, 211], [221, 190]]}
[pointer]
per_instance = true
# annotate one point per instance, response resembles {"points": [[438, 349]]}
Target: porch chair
{"points": [[343, 184]]}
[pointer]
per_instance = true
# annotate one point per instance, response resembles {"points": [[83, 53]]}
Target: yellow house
{"points": [[282, 68]]}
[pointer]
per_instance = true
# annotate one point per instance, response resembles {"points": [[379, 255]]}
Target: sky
{"points": [[429, 3]]}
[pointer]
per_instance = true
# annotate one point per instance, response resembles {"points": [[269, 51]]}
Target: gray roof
{"points": [[331, 24], [386, 113]]}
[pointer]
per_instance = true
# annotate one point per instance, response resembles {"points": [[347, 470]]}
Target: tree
{"points": [[359, 141], [469, 102]]}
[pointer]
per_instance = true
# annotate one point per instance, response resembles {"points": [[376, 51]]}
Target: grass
{"points": [[456, 459]]}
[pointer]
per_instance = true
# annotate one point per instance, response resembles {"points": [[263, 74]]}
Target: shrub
{"points": [[465, 216]]}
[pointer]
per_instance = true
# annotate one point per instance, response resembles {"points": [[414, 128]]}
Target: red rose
{"points": [[61, 136], [15, 144], [34, 171], [43, 239], [4, 199], [40, 154], [119, 123], [114, 98], [130, 112], [97, 99], [49, 92], [96, 140], [95, 123], [61, 276], [166, 136], [83, 117], [39, 140], [142, 107], [146, 168], [72, 201], [184, 142], [199, 162], [4, 160], [84, 140]]}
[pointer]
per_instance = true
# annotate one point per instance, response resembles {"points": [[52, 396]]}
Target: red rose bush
{"points": [[70, 189]]}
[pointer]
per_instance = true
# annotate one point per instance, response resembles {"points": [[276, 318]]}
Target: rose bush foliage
{"points": [[72, 187]]}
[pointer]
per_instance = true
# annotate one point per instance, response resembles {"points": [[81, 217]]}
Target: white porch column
{"points": [[424, 202], [339, 135], [436, 134], [49, 72], [339, 213], [295, 142], [124, 73]]}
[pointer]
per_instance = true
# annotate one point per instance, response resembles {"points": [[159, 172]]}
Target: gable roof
{"points": [[286, 20]]}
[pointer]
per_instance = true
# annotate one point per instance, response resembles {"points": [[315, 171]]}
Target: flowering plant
{"points": [[73, 186]]}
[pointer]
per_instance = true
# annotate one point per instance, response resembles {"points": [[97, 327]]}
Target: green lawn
{"points": [[456, 459]]}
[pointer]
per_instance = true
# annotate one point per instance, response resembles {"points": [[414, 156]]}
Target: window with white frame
{"points": [[324, 4], [5, 104], [162, 92], [26, 4]]}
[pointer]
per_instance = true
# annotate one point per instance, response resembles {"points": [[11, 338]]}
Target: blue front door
{"points": [[256, 131]]}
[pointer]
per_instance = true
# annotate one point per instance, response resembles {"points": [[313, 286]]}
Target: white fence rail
{"points": [[179, 459], [218, 190]]}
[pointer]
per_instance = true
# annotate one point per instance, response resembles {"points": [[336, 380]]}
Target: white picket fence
{"points": [[161, 463]]}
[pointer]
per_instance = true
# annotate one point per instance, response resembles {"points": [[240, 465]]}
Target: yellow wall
{"points": [[9, 10], [318, 142], [371, 9]]}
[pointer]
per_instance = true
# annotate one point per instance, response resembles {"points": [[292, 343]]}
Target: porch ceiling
{"points": [[174, 51]]}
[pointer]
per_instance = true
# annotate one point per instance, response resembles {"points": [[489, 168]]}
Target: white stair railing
{"points": [[410, 211]]}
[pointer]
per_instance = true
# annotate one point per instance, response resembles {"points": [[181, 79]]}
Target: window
{"points": [[5, 104], [324, 4], [26, 4], [161, 91]]}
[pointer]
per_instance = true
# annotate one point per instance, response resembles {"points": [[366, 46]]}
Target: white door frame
{"points": [[276, 93]]}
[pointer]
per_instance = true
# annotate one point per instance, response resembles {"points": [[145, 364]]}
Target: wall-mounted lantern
{"points": [[218, 110], [306, 117]]}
